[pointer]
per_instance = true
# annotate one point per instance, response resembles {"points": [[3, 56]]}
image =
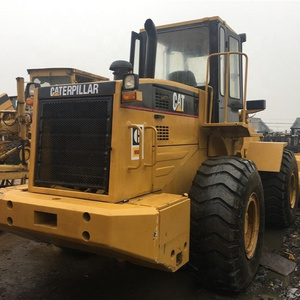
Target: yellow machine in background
{"points": [[14, 131], [53, 76], [159, 166], [16, 117]]}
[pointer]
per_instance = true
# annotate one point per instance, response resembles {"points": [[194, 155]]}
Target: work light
{"points": [[130, 82]]}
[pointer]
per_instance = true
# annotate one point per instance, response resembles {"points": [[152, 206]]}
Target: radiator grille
{"points": [[73, 146]]}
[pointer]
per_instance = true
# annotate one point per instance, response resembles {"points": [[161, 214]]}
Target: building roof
{"points": [[259, 125], [296, 124]]}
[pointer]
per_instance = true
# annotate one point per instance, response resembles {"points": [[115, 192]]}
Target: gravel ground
{"points": [[34, 270], [269, 285]]}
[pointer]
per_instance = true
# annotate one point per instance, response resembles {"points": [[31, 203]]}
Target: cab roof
{"points": [[207, 19]]}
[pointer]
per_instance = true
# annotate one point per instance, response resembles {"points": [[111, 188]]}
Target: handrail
{"points": [[209, 116], [141, 145], [155, 145], [207, 86]]}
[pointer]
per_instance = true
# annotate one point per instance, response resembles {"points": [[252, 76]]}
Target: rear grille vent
{"points": [[73, 147], [161, 101], [162, 133]]}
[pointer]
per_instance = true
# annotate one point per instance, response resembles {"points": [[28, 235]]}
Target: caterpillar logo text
{"points": [[73, 90], [178, 102]]}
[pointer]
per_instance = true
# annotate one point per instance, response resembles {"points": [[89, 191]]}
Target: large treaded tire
{"points": [[281, 192], [222, 196]]}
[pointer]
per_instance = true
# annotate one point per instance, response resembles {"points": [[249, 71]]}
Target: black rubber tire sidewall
{"points": [[277, 192], [217, 254]]}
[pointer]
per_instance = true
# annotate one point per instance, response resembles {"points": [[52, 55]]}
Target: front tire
{"points": [[227, 223]]}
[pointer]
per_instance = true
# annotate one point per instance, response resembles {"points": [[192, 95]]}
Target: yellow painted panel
{"points": [[175, 235], [176, 168], [145, 230], [164, 171], [297, 155], [266, 156]]}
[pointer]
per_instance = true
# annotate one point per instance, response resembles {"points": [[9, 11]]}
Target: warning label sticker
{"points": [[135, 143]]}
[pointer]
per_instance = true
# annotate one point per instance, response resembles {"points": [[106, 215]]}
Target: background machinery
{"points": [[16, 117], [159, 166]]}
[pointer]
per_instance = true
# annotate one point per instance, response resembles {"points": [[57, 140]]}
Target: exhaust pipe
{"points": [[151, 45]]}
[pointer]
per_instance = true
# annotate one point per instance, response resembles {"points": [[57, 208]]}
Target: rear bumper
{"points": [[152, 230]]}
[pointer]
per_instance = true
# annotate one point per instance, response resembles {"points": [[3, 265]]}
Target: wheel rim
{"points": [[251, 229], [293, 189]]}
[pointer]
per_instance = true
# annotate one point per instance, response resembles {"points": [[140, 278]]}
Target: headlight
{"points": [[29, 90], [130, 82]]}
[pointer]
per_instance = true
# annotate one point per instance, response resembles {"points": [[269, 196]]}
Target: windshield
{"points": [[182, 55], [51, 80]]}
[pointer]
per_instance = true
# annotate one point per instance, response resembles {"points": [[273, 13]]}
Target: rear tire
{"points": [[281, 192], [227, 223]]}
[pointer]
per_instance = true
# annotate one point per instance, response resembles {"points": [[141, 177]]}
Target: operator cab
{"points": [[180, 52]]}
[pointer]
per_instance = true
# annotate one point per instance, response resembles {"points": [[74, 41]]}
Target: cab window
{"points": [[182, 55], [234, 87]]}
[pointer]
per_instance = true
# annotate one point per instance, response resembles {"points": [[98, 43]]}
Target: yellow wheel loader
{"points": [[159, 166]]}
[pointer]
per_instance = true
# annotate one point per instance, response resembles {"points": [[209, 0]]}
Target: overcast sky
{"points": [[91, 34]]}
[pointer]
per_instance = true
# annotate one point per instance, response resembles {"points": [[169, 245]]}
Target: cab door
{"points": [[230, 75]]}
